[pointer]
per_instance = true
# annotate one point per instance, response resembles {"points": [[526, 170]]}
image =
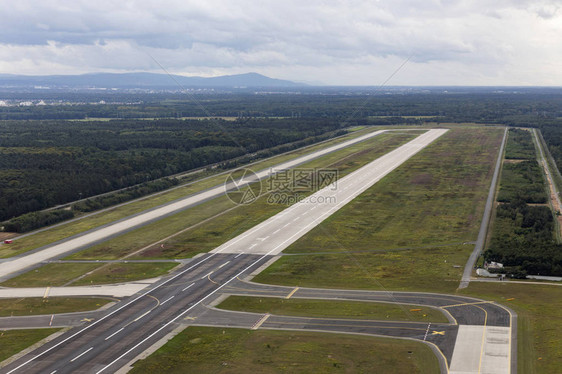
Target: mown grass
{"points": [[539, 321], [218, 350], [49, 275], [56, 275], [117, 273], [64, 231], [14, 341], [37, 305], [431, 204], [333, 309]]}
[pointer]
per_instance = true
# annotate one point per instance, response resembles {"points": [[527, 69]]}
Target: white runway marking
{"points": [[81, 354], [165, 301], [115, 333], [188, 286]]}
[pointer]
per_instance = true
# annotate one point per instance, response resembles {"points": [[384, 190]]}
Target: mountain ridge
{"points": [[142, 80]]}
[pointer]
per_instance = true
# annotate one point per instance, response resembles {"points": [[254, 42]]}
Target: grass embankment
{"points": [[333, 309], [217, 350], [539, 321], [36, 305], [64, 231], [409, 227], [14, 341], [55, 275]]}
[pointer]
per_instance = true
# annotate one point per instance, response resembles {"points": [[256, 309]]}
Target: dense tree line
{"points": [[523, 240], [45, 163]]}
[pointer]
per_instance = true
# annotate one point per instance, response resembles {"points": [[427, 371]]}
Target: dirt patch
{"points": [[422, 179], [514, 160], [7, 235]]}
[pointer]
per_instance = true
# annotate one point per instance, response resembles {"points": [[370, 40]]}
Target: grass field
{"points": [[49, 236], [37, 305], [431, 205], [538, 308], [334, 309], [56, 275], [14, 341], [217, 350]]}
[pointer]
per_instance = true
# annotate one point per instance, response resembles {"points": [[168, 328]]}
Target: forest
{"points": [[45, 163], [81, 144], [523, 235]]}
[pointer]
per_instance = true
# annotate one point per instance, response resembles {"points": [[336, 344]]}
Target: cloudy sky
{"points": [[448, 42]]}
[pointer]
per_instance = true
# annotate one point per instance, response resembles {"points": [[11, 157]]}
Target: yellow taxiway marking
{"points": [[438, 333], [209, 278], [261, 321], [465, 304], [291, 293], [350, 325], [86, 320], [190, 318]]}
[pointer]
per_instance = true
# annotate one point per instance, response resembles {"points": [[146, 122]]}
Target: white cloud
{"points": [[338, 42]]}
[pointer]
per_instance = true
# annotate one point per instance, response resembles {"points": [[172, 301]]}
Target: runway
{"points": [[110, 340], [18, 264], [278, 232]]}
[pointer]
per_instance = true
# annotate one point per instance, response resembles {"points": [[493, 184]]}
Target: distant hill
{"points": [[140, 80]]}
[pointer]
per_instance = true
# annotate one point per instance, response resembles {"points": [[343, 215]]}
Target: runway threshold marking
{"points": [[115, 333], [291, 293], [261, 321], [81, 354]]}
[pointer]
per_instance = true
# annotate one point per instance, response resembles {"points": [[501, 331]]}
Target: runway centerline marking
{"points": [[188, 286], [139, 317], [81, 354], [239, 254], [206, 275], [165, 301], [224, 264], [115, 333]]}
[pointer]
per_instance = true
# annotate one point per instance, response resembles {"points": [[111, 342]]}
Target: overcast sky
{"points": [[478, 42]]}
